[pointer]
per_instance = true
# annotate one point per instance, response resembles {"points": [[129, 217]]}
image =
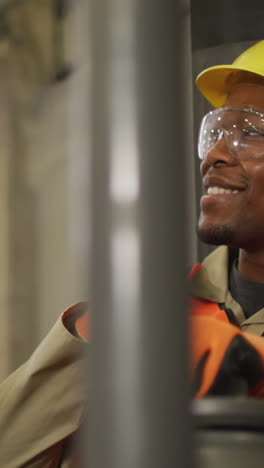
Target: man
{"points": [[230, 282], [43, 402]]}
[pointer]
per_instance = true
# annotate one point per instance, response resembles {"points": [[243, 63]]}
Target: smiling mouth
{"points": [[214, 190]]}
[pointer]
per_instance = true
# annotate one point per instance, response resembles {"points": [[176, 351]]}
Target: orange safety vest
{"points": [[198, 306]]}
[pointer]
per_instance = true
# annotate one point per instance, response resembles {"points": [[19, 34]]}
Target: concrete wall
{"points": [[44, 189], [4, 216]]}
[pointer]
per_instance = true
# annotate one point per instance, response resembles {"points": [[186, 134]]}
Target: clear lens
{"points": [[242, 129]]}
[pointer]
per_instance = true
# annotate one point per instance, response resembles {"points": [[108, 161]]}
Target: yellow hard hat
{"points": [[215, 82]]}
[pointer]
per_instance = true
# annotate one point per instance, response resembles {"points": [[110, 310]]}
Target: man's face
{"points": [[236, 218]]}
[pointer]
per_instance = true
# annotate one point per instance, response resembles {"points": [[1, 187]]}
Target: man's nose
{"points": [[219, 155]]}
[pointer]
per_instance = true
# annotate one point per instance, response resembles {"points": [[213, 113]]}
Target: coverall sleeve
{"points": [[42, 402]]}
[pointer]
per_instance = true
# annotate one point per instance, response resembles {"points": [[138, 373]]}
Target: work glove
{"points": [[225, 360]]}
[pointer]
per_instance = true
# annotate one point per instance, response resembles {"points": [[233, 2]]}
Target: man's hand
{"points": [[225, 359]]}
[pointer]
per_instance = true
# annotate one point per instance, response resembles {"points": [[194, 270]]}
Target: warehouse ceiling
{"points": [[226, 21], [36, 31]]}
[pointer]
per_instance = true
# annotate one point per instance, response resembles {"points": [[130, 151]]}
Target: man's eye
{"points": [[253, 132]]}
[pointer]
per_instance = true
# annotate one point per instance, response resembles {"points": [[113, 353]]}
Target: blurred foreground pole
{"points": [[138, 391]]}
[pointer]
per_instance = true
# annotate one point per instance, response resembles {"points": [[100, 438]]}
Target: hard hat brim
{"points": [[213, 82]]}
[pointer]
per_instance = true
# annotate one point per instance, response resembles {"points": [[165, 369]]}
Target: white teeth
{"points": [[219, 190]]}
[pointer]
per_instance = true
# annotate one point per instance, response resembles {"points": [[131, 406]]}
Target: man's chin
{"points": [[216, 235]]}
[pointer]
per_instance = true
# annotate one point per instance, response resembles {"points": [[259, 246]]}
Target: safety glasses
{"points": [[242, 130]]}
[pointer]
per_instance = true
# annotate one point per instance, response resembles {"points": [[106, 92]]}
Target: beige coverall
{"points": [[42, 404]]}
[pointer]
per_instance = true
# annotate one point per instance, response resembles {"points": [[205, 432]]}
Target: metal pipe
{"points": [[138, 390]]}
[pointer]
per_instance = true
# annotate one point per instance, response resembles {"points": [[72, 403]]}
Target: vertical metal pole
{"points": [[162, 34], [138, 392]]}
